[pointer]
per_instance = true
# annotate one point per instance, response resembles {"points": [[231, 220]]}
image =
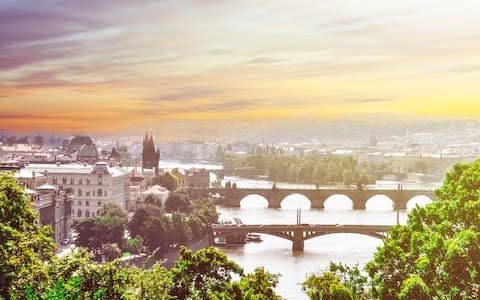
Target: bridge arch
{"points": [[338, 202], [420, 200], [307, 236], [376, 235], [379, 202], [296, 200], [254, 200]]}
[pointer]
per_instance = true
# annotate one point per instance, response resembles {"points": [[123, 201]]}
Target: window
{"points": [[105, 193], [99, 203], [80, 192], [88, 181], [99, 179], [54, 180], [99, 193], [72, 180], [93, 193], [87, 203], [80, 181], [79, 213], [87, 213], [64, 180], [87, 193], [79, 203]]}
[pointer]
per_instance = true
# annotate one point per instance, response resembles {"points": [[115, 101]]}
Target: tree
{"points": [[205, 274], [178, 202], [435, 255], [167, 180], [326, 287], [23, 242], [148, 223], [113, 209], [259, 285], [353, 279], [92, 233], [110, 251]]}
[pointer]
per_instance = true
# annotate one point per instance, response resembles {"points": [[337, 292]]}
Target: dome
{"points": [[74, 143], [87, 151]]}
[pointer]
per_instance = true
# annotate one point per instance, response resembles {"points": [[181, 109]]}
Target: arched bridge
{"points": [[231, 197], [298, 234]]}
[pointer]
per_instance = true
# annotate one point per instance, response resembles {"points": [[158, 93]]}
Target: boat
{"points": [[253, 237]]}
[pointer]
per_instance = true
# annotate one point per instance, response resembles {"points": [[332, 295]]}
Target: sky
{"points": [[114, 65]]}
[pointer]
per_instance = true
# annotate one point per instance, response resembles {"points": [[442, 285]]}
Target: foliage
{"points": [[23, 243], [152, 199], [30, 271], [205, 274], [352, 278], [110, 251], [164, 231], [326, 286], [321, 170], [92, 233], [259, 285], [167, 180], [178, 202], [435, 255], [113, 209]]}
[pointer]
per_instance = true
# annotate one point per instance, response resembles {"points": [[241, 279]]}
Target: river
{"points": [[276, 254]]}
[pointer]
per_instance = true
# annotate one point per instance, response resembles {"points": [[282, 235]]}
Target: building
{"points": [[193, 178], [92, 185], [150, 157], [54, 208], [88, 154], [30, 179], [158, 191]]}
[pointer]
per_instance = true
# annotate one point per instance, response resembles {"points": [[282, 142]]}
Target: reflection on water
{"points": [[276, 254]]}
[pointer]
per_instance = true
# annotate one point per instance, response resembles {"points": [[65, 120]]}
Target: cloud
{"points": [[471, 68], [265, 60]]}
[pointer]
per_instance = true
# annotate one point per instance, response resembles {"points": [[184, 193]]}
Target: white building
{"points": [[159, 191], [92, 185]]}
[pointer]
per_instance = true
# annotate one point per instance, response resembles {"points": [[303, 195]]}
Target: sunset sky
{"points": [[107, 66]]}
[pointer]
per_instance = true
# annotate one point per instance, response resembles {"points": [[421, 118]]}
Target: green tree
{"points": [[353, 279], [23, 243], [110, 251], [167, 180], [435, 255], [92, 233], [206, 274], [113, 209], [259, 285], [178, 202], [326, 287]]}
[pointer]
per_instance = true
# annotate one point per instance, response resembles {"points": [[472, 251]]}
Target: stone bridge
{"points": [[298, 234], [231, 197]]}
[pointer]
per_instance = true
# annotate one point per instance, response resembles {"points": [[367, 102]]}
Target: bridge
{"points": [[299, 233], [231, 197]]}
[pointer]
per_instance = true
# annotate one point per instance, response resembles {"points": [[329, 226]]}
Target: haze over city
{"points": [[188, 66]]}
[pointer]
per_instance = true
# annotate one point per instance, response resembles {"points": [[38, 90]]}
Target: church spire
{"points": [[150, 157]]}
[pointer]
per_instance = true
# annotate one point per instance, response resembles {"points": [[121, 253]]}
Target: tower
{"points": [[150, 157]]}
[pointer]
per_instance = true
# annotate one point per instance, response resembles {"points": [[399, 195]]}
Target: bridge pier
{"points": [[298, 241]]}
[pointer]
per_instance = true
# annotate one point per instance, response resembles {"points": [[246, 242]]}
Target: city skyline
{"points": [[112, 66]]}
